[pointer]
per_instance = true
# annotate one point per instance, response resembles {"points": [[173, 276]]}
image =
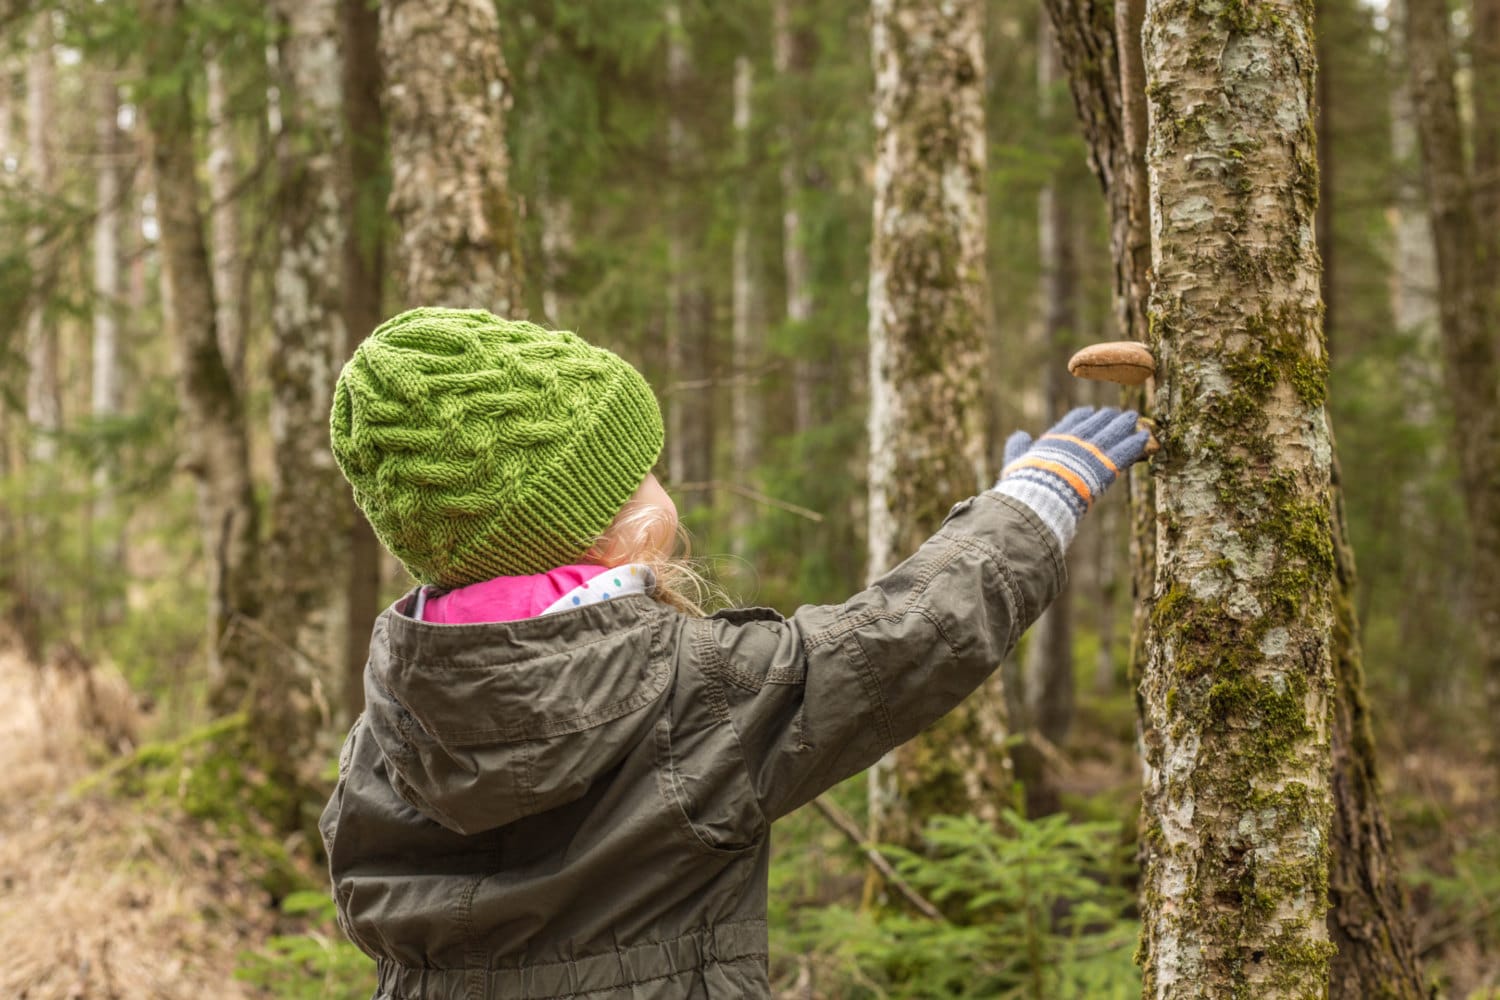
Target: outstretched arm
{"points": [[822, 695]]}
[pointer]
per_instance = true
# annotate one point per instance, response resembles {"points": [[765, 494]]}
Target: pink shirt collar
{"points": [[511, 598]]}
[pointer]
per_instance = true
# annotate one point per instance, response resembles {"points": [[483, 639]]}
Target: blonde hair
{"points": [[638, 534]]}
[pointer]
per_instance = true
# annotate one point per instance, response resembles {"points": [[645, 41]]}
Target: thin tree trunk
{"points": [[308, 550], [224, 218], [43, 392], [690, 430], [1414, 271], [216, 449], [792, 47], [447, 93], [108, 307], [744, 402], [1238, 682], [1049, 662], [1468, 267], [363, 288], [557, 246], [928, 306]]}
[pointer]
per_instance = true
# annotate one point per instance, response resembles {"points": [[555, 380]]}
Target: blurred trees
{"points": [[1463, 199]]}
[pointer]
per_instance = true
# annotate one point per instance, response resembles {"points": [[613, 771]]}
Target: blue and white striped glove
{"points": [[1059, 475]]}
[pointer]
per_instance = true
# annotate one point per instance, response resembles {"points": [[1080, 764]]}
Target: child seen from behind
{"points": [[565, 775]]}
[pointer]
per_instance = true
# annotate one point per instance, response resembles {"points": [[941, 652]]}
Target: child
{"points": [[564, 778]]}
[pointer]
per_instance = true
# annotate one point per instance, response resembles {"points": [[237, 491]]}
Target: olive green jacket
{"points": [[578, 805]]}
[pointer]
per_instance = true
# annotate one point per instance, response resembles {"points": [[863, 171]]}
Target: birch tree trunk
{"points": [[224, 220], [1365, 880], [447, 93], [308, 549], [928, 307], [744, 399], [1238, 682], [216, 450], [1465, 214], [362, 284]]}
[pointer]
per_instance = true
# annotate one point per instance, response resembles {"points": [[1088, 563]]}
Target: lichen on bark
{"points": [[1238, 671]]}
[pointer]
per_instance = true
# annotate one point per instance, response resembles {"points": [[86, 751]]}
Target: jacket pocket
{"points": [[702, 777]]}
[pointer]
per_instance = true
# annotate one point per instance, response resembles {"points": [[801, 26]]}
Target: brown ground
{"points": [[99, 897]]}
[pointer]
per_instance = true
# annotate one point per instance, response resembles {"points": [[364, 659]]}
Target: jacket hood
{"points": [[484, 724]]}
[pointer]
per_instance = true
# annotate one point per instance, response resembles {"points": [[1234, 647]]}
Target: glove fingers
{"points": [[1129, 451], [1118, 429], [1016, 445], [1072, 419], [1089, 429]]}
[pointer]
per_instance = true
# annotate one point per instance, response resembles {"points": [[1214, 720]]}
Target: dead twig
{"points": [[846, 825], [748, 494]]}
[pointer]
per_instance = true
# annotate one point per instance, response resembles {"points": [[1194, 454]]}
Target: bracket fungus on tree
{"points": [[1126, 362]]}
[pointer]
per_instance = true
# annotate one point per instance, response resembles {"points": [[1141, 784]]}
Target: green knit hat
{"points": [[482, 447]]}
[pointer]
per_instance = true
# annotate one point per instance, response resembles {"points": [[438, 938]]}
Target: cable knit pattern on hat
{"points": [[482, 447]]}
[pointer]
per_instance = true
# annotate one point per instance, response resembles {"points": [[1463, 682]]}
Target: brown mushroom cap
{"points": [[1124, 361]]}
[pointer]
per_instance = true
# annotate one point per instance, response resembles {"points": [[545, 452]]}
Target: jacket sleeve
{"points": [[819, 697]]}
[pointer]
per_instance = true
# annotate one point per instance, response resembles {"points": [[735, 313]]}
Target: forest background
{"points": [[690, 185]]}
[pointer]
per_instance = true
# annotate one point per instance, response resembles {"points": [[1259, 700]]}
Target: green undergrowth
{"points": [[211, 775], [1034, 909], [318, 963]]}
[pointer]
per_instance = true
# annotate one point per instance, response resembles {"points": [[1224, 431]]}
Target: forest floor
{"points": [[102, 896]]}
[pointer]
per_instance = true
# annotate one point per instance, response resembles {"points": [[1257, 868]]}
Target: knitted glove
{"points": [[1060, 475]]}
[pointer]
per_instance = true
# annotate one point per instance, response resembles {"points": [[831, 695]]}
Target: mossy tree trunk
{"points": [[928, 303], [1238, 675], [216, 449], [447, 94], [308, 551], [1369, 917], [1464, 203]]}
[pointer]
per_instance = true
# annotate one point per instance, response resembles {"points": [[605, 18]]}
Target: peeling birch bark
{"points": [[1238, 682], [928, 357]]}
